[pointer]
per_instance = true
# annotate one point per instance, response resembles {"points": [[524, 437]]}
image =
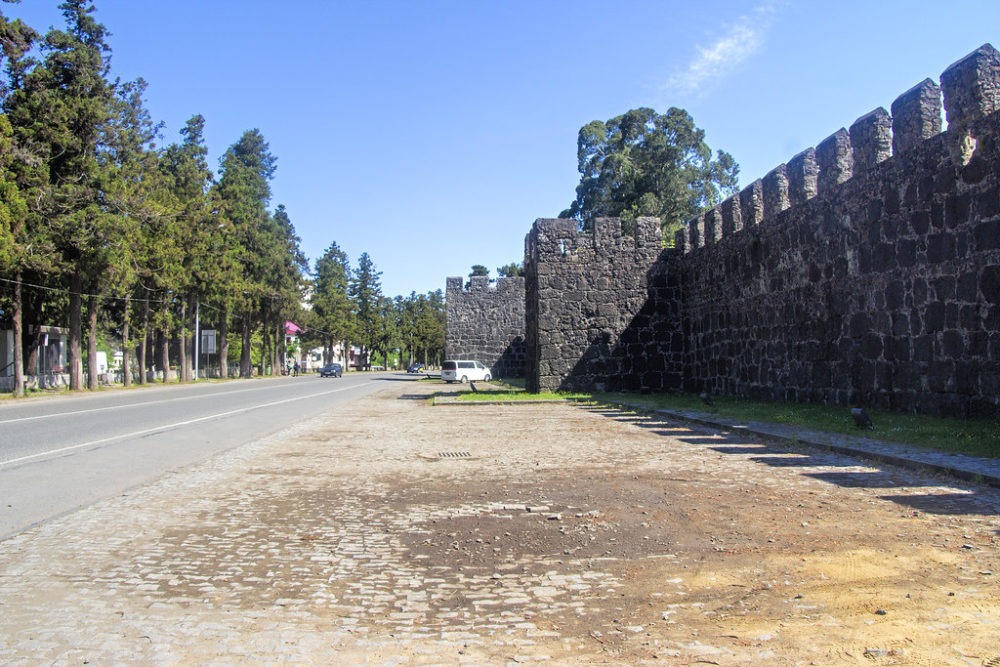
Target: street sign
{"points": [[208, 341]]}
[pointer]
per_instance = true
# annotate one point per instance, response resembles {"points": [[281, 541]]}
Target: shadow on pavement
{"points": [[968, 498]]}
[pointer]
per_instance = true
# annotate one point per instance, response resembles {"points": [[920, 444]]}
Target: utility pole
{"points": [[197, 338]]}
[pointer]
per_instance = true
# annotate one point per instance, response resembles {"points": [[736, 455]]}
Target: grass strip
{"points": [[974, 437]]}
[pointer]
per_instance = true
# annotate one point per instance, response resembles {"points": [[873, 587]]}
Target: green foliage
{"points": [[512, 270], [646, 164], [332, 308], [13, 206], [478, 270], [89, 199], [365, 290], [519, 396], [90, 204]]}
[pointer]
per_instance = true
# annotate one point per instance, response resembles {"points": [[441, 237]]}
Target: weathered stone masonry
{"points": [[582, 291], [866, 270], [486, 322]]}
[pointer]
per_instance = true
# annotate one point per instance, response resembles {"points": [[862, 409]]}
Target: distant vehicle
{"points": [[415, 368], [464, 370], [331, 371]]}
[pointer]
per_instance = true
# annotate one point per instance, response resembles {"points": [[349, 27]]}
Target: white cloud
{"points": [[717, 59]]}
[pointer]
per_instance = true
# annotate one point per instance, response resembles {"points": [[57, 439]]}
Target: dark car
{"points": [[415, 368], [331, 371]]}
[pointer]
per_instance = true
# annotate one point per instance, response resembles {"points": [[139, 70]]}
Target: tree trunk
{"points": [[182, 358], [144, 342], [126, 367], [191, 340], [31, 317], [164, 338], [265, 350], [278, 356], [245, 358], [18, 342], [92, 370], [75, 360], [223, 342]]}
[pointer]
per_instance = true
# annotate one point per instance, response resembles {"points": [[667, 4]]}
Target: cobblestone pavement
{"points": [[399, 533]]}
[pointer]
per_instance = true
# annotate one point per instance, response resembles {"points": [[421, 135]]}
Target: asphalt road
{"points": [[58, 454]]}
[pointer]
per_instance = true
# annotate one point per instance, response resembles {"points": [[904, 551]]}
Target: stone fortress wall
{"points": [[582, 291], [863, 271], [486, 322]]}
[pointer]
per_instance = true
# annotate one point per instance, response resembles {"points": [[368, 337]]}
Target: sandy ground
{"points": [[400, 533]]}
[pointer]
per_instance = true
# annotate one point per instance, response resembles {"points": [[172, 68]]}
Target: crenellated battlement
{"points": [[485, 321], [561, 237], [970, 89], [479, 284], [582, 291]]}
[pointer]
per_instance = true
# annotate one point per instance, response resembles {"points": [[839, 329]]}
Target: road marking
{"points": [[164, 427], [139, 405]]}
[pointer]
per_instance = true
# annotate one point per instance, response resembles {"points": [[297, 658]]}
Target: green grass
{"points": [[519, 395], [512, 391], [976, 437]]}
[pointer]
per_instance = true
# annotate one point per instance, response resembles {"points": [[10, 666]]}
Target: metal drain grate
{"points": [[455, 455]]}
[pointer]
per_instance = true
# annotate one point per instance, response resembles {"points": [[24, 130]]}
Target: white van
{"points": [[464, 370]]}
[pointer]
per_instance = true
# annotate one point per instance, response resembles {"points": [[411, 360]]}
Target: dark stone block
{"points": [[901, 349], [920, 222], [871, 346], [940, 248], [969, 319], [987, 204], [906, 253], [923, 348], [989, 284], [859, 325], [975, 171], [941, 375], [934, 315], [900, 324], [884, 257], [953, 344], [944, 288], [978, 345], [966, 378], [892, 204], [967, 287], [956, 210]]}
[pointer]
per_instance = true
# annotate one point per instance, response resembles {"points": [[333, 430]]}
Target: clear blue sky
{"points": [[432, 134]]}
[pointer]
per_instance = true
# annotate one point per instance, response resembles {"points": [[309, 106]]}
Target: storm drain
{"points": [[455, 455]]}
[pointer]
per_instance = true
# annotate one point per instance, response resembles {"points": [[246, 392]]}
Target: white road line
{"points": [[163, 427], [132, 405]]}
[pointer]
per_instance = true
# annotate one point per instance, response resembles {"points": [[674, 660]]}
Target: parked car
{"points": [[415, 368], [331, 371], [464, 370]]}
